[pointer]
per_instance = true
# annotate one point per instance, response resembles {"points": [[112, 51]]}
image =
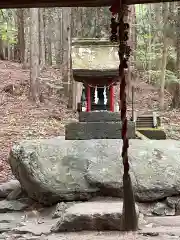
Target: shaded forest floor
{"points": [[21, 119]]}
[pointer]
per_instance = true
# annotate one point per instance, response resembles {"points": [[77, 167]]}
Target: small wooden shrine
{"points": [[95, 65]]}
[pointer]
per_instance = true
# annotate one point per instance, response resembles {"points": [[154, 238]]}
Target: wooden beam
{"points": [[67, 3], [53, 3], [131, 2]]}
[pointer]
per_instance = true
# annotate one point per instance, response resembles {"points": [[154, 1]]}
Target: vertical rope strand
{"points": [[123, 103], [124, 52]]}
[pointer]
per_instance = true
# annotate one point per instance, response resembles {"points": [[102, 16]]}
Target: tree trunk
{"points": [[67, 49], [41, 39], [27, 40], [59, 38], [48, 37], [34, 54], [163, 71], [2, 55], [21, 40], [176, 86], [164, 55]]}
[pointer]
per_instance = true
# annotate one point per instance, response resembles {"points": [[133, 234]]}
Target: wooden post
{"points": [[111, 98], [88, 99]]}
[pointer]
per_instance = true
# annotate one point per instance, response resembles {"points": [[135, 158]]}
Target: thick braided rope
{"points": [[123, 103], [115, 8]]}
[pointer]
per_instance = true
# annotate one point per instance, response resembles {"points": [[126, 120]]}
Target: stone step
{"points": [[105, 116], [97, 130], [92, 216], [99, 107], [144, 125], [156, 134]]}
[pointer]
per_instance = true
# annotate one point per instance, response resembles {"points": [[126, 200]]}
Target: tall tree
{"points": [[21, 40], [66, 13], [41, 38], [164, 53], [34, 54]]}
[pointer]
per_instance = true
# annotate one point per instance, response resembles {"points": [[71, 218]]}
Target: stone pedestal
{"points": [[97, 130]]}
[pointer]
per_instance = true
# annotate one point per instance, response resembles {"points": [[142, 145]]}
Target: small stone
{"points": [[9, 206], [161, 209], [172, 201], [146, 208], [7, 187], [60, 209], [151, 234], [170, 212], [15, 194], [177, 210]]}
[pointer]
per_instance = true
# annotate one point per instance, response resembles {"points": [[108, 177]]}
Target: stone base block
{"points": [[97, 130]]}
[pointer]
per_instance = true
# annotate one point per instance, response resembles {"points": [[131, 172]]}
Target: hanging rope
{"points": [[129, 220], [124, 53]]}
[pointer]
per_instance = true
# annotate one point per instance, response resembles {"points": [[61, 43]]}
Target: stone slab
{"points": [[34, 228], [104, 116], [157, 134], [97, 130], [170, 221], [13, 205], [97, 215]]}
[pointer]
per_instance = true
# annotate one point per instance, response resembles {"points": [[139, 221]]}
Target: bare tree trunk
{"points": [[26, 37], [164, 56], [58, 32], [178, 42], [34, 53], [41, 38], [67, 49], [48, 37], [21, 40], [2, 55], [163, 71], [176, 86]]}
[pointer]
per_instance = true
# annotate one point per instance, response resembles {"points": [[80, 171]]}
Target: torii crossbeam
{"points": [[69, 3]]}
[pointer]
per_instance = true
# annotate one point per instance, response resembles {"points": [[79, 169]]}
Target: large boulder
{"points": [[52, 170], [155, 168], [55, 169]]}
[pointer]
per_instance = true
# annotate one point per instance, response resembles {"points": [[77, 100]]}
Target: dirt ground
{"points": [[22, 119], [95, 236]]}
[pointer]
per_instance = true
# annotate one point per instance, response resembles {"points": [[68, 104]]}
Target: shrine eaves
{"points": [[68, 3]]}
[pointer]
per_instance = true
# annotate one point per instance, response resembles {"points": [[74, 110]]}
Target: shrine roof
{"points": [[94, 54], [67, 3]]}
